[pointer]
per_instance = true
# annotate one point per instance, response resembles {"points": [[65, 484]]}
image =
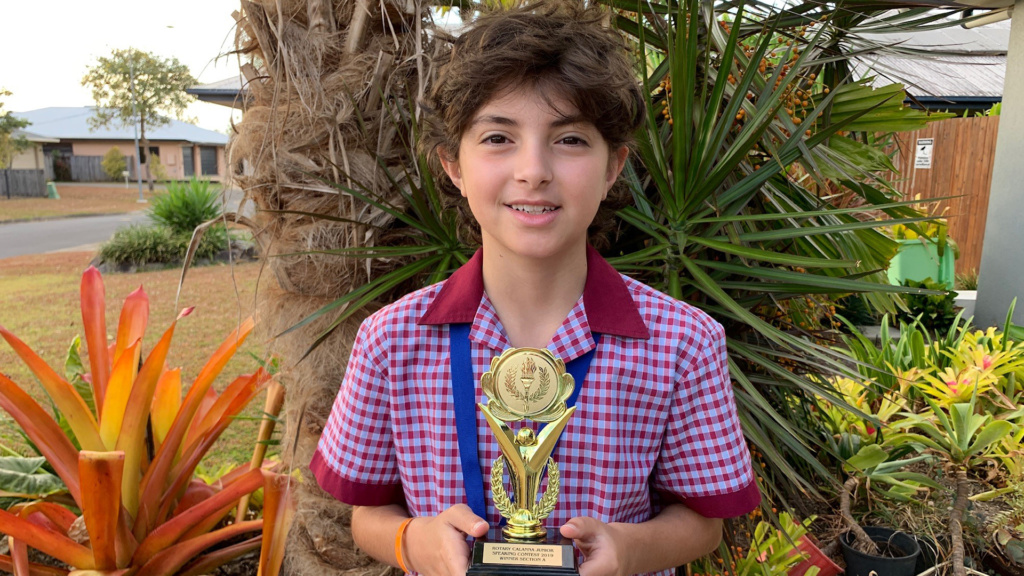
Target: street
{"points": [[53, 235]]}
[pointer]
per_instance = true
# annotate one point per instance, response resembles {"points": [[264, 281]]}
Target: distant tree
{"points": [[160, 85], [10, 145], [114, 163]]}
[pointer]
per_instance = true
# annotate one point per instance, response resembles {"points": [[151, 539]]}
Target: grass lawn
{"points": [[40, 305], [74, 201]]}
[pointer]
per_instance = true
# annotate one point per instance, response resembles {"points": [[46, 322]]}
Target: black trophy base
{"points": [[494, 555]]}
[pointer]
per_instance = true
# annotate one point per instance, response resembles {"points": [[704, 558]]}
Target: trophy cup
{"points": [[525, 384]]}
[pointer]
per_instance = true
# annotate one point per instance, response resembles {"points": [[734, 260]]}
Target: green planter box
{"points": [[918, 260]]}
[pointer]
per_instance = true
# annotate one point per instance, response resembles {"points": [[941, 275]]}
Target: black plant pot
{"points": [[902, 546]]}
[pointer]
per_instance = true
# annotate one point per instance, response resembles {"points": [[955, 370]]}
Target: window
{"points": [[208, 160], [154, 150], [187, 161]]}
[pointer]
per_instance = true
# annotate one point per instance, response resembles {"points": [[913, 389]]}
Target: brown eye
{"points": [[496, 139], [573, 141]]}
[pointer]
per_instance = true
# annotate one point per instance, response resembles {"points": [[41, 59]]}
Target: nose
{"points": [[533, 164]]}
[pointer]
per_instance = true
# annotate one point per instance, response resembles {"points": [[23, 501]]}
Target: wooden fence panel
{"points": [[23, 183], [88, 169], [963, 151]]}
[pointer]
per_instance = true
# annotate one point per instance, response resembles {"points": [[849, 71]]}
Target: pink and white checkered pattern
{"points": [[655, 419]]}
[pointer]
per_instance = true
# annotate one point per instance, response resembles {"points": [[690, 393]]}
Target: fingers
{"points": [[582, 529], [462, 518], [440, 542]]}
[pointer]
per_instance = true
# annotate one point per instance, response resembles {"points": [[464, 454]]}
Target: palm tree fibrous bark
{"points": [[321, 78]]}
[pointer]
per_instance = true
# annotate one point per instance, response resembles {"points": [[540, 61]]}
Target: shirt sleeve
{"points": [[355, 460], [704, 461]]}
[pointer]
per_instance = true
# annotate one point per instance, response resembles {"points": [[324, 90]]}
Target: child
{"points": [[530, 121]]}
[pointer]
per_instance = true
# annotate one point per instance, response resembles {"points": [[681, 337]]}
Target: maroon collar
{"points": [[609, 306]]}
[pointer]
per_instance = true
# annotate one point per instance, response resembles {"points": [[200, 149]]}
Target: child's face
{"points": [[533, 180]]}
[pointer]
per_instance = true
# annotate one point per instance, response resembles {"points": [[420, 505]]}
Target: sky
{"points": [[46, 47]]}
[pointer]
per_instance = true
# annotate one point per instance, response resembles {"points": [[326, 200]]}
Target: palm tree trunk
{"points": [[318, 83]]}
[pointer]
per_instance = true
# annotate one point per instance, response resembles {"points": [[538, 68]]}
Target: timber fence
{"points": [[22, 184], [952, 158]]}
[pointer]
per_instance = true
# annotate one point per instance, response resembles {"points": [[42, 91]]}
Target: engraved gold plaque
{"points": [[514, 555], [526, 384]]}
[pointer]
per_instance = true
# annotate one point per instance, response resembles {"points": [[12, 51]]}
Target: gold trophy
{"points": [[525, 384]]}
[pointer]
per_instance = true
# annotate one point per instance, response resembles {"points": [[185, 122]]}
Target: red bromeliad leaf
{"points": [[131, 439], [61, 517], [132, 325], [63, 394], [169, 561], [101, 503], [7, 565], [206, 563], [209, 399], [166, 403], [47, 541], [44, 433], [185, 468], [119, 387], [126, 544], [278, 511], [205, 418], [94, 320], [19, 556], [154, 481], [197, 491], [33, 512], [123, 572], [209, 522], [201, 517]]}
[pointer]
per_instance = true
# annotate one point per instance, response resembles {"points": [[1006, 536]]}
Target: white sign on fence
{"points": [[923, 153]]}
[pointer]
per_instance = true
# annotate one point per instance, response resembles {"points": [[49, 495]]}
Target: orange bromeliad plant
{"points": [[142, 510]]}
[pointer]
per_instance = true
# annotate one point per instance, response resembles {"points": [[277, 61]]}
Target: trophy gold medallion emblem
{"points": [[523, 386]]}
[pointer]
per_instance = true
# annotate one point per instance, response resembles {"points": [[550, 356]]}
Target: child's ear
{"points": [[451, 168], [616, 162]]}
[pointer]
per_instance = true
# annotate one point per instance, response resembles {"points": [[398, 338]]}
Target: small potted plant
{"points": [[873, 549]]}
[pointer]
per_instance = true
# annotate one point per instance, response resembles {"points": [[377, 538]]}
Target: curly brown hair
{"points": [[561, 51]]}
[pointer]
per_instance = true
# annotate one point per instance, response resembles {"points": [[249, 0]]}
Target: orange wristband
{"points": [[398, 544]]}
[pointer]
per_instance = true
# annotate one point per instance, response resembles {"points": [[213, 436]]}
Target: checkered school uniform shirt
{"points": [[655, 420]]}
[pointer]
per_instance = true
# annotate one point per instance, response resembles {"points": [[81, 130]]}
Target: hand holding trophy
{"points": [[525, 384]]}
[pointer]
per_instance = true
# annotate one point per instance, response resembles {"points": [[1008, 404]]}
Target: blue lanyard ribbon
{"points": [[465, 393]]}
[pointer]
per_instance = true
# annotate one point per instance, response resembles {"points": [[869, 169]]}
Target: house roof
{"points": [[952, 66], [224, 92], [33, 137], [73, 124]]}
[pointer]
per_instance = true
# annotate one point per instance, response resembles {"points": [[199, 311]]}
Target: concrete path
{"points": [[84, 233]]}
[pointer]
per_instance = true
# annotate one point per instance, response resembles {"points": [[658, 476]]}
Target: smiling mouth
{"points": [[531, 209]]}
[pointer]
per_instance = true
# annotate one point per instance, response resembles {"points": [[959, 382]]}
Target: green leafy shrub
{"points": [[141, 245], [114, 163], [186, 205], [157, 170], [137, 245], [937, 312]]}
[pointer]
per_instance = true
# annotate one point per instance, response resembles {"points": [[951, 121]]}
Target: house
{"points": [[33, 157], [956, 68], [228, 92], [75, 149]]}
